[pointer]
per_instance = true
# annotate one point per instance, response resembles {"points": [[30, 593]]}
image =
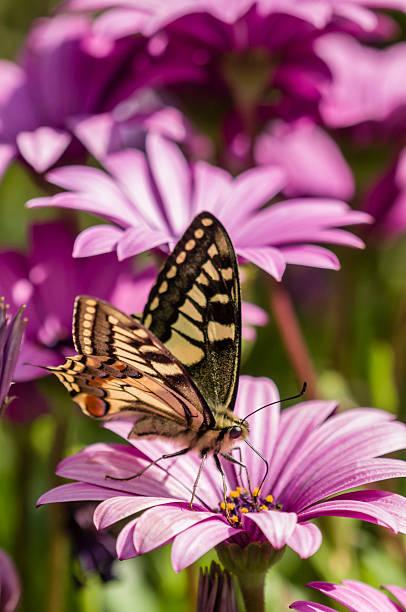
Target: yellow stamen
{"points": [[234, 519], [244, 510], [230, 506], [236, 493], [263, 507], [222, 505], [255, 492], [269, 499]]}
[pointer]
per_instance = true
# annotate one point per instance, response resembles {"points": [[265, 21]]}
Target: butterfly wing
{"points": [[100, 330], [195, 309], [106, 388]]}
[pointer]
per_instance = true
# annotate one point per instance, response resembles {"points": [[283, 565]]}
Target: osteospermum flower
{"points": [[11, 335], [355, 596], [314, 456], [10, 588], [152, 198], [88, 75], [250, 60]]}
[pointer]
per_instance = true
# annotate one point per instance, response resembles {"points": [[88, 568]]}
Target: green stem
{"points": [[253, 591], [250, 565]]}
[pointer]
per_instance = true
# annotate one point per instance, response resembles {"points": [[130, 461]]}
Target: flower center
{"points": [[241, 501]]}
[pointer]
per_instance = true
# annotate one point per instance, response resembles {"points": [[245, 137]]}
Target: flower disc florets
{"points": [[241, 501]]}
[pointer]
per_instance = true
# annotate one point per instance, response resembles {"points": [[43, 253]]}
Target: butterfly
{"points": [[176, 367]]}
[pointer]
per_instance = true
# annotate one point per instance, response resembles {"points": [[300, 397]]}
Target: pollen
{"points": [[240, 501]]}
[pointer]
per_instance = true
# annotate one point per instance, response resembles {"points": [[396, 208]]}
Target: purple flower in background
{"points": [[250, 60], [146, 16], [367, 85], [10, 588], [314, 455], [11, 335], [47, 280], [355, 596], [312, 160], [386, 200], [68, 73], [94, 550], [152, 198]]}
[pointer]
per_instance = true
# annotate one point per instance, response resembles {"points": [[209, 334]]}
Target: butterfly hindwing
{"points": [[106, 388], [194, 308], [101, 330]]}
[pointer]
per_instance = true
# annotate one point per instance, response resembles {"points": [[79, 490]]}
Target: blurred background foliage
{"points": [[354, 324]]}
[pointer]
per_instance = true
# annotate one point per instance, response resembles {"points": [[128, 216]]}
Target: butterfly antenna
{"points": [[285, 399]]}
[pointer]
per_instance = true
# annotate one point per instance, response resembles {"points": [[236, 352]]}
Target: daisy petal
{"points": [[117, 508], [125, 542], [305, 539], [194, 542], [97, 240], [276, 526], [268, 258], [161, 524]]}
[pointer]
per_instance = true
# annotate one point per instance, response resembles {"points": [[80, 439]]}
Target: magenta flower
{"points": [[11, 335], [366, 83], [314, 456], [128, 16], [312, 160], [355, 596], [10, 588], [386, 200], [152, 198], [47, 280], [87, 75]]}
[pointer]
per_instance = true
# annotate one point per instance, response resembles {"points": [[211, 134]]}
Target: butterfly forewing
{"points": [[101, 330], [194, 309]]}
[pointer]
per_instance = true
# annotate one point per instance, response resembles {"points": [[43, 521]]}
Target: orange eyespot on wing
{"points": [[95, 406]]}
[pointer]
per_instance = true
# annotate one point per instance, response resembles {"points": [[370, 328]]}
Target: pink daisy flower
{"points": [[314, 456], [149, 200], [355, 596]]}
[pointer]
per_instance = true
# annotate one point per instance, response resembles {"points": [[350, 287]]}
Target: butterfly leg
{"points": [[204, 457], [223, 477], [183, 451], [242, 466]]}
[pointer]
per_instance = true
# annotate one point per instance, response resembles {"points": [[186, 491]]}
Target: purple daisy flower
{"points": [[147, 213], [313, 162], [355, 596], [250, 60], [87, 75], [10, 588], [366, 84], [11, 335], [147, 17], [47, 280], [386, 200], [314, 456]]}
